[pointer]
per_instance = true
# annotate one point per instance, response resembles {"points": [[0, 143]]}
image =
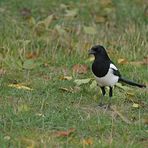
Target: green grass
{"points": [[30, 118]]}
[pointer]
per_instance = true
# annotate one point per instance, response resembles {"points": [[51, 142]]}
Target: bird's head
{"points": [[98, 51]]}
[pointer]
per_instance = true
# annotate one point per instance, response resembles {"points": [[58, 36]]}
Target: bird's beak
{"points": [[91, 51]]}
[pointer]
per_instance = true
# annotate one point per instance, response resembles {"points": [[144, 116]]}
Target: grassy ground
{"points": [[38, 51]]}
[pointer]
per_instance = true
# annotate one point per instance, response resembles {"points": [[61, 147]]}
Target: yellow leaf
{"points": [[87, 141], [135, 105], [71, 13], [82, 81], [119, 85], [93, 84], [122, 61], [130, 94], [66, 78], [90, 30], [31, 20], [20, 86], [23, 108]]}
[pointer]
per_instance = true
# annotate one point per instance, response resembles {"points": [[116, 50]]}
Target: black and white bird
{"points": [[105, 72]]}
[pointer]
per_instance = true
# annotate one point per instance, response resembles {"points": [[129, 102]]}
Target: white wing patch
{"points": [[113, 66], [109, 79]]}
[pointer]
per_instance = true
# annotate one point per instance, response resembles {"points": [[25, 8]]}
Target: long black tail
{"points": [[131, 82]]}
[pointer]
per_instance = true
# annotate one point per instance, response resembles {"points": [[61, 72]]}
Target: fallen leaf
{"points": [[82, 81], [135, 105], [47, 21], [100, 19], [71, 13], [63, 6], [90, 30], [66, 89], [7, 138], [23, 108], [31, 55], [123, 87], [122, 61], [88, 141], [130, 94], [66, 78], [43, 25], [31, 21], [31, 143], [79, 68], [60, 30], [20, 86], [40, 115], [145, 121], [93, 84], [64, 133]]}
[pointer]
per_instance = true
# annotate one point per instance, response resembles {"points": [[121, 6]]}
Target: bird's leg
{"points": [[110, 94], [103, 94]]}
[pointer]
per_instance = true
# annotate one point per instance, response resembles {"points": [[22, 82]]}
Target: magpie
{"points": [[105, 72]]}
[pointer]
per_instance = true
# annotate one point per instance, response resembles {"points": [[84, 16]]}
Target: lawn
{"points": [[44, 55]]}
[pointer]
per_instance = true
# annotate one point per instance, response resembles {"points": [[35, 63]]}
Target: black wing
{"points": [[116, 72]]}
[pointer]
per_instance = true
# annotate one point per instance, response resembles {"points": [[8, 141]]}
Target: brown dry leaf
{"points": [[64, 133], [20, 86], [100, 19], [66, 78], [88, 141], [114, 108], [122, 61], [145, 121], [79, 68], [31, 55]]}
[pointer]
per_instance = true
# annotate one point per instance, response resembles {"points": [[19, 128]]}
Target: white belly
{"points": [[108, 80]]}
